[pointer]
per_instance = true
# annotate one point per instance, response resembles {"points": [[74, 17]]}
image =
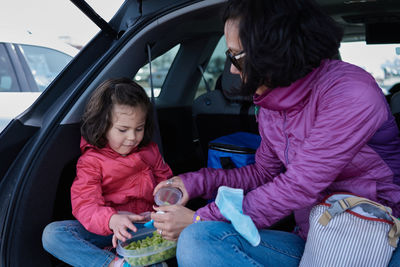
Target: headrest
{"points": [[230, 85], [394, 89], [395, 103]]}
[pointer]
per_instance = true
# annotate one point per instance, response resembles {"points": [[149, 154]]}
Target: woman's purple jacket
{"points": [[332, 131]]}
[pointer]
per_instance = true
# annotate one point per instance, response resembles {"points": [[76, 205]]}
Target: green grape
{"points": [[148, 244]]}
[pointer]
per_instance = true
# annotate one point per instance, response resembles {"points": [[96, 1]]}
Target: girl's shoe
{"points": [[121, 263]]}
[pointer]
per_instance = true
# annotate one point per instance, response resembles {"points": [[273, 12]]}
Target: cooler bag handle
{"points": [[347, 203]]}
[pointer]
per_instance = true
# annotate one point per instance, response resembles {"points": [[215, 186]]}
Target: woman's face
{"points": [[231, 31], [127, 128]]}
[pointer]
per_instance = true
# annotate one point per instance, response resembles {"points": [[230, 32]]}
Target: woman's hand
{"points": [[175, 181], [174, 219], [120, 223]]}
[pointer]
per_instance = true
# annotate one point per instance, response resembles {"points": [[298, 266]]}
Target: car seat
{"points": [[222, 111], [394, 89]]}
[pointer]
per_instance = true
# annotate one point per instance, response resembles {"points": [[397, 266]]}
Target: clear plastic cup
{"points": [[168, 196]]}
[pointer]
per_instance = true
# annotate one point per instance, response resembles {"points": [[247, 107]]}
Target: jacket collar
{"points": [[284, 98], [107, 150]]}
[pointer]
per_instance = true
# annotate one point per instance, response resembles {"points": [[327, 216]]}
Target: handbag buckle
{"points": [[336, 208]]}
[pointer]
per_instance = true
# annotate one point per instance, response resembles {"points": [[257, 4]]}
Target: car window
{"points": [[8, 81], [214, 68], [44, 63], [380, 60], [159, 70]]}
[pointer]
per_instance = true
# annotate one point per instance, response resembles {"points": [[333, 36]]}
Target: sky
{"points": [[52, 19]]}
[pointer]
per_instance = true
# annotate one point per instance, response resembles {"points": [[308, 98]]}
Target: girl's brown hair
{"points": [[97, 118]]}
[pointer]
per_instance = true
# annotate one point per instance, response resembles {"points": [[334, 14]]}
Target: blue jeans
{"points": [[70, 242], [218, 244], [395, 261]]}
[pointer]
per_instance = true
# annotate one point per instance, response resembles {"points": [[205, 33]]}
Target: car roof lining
{"points": [[354, 14]]}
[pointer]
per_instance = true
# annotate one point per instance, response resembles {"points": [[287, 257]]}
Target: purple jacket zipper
{"points": [[287, 139]]}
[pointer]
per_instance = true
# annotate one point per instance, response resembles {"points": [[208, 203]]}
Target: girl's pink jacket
{"points": [[107, 182], [332, 131]]}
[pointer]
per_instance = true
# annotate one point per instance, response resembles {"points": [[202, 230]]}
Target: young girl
{"points": [[116, 174]]}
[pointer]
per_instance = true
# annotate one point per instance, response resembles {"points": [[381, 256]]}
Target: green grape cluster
{"points": [[147, 246]]}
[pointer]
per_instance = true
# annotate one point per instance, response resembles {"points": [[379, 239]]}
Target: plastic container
{"points": [[146, 255], [168, 196]]}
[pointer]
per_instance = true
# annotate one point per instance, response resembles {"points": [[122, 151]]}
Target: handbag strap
{"points": [[354, 201], [347, 203]]}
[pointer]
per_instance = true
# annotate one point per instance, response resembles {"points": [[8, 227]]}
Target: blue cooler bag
{"points": [[233, 151]]}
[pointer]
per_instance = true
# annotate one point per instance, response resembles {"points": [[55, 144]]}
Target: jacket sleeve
{"points": [[205, 182], [88, 204], [160, 168], [347, 117]]}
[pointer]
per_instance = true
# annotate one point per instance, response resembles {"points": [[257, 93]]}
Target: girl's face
{"points": [[127, 128]]}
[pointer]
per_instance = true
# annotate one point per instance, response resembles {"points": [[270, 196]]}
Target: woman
{"points": [[325, 122]]}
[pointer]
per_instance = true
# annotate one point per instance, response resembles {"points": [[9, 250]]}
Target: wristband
{"points": [[196, 218]]}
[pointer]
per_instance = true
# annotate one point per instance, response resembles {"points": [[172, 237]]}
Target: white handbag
{"points": [[350, 231]]}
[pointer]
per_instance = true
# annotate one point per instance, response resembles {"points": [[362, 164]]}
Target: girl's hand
{"points": [[120, 223], [172, 222], [146, 215], [175, 181]]}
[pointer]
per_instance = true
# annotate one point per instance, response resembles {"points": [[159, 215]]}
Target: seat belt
{"points": [[204, 78], [157, 134]]}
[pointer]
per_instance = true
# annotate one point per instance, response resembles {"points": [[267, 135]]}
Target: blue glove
{"points": [[229, 201]]}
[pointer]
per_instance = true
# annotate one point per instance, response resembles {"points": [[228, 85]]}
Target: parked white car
{"points": [[27, 67]]}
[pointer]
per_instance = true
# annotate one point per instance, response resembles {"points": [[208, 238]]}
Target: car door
{"points": [[22, 143]]}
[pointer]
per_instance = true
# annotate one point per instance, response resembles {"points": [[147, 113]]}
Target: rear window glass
{"points": [[159, 69], [44, 63], [382, 61], [8, 81], [214, 68]]}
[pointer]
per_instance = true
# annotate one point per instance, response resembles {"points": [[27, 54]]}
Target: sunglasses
{"points": [[236, 60]]}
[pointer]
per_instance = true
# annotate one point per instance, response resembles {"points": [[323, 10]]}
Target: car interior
{"points": [[186, 123]]}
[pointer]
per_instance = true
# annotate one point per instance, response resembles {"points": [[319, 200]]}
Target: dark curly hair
{"points": [[283, 40], [96, 120]]}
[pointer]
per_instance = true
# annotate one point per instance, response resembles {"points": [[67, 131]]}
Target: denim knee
{"points": [[193, 243], [49, 235], [189, 234], [185, 251]]}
